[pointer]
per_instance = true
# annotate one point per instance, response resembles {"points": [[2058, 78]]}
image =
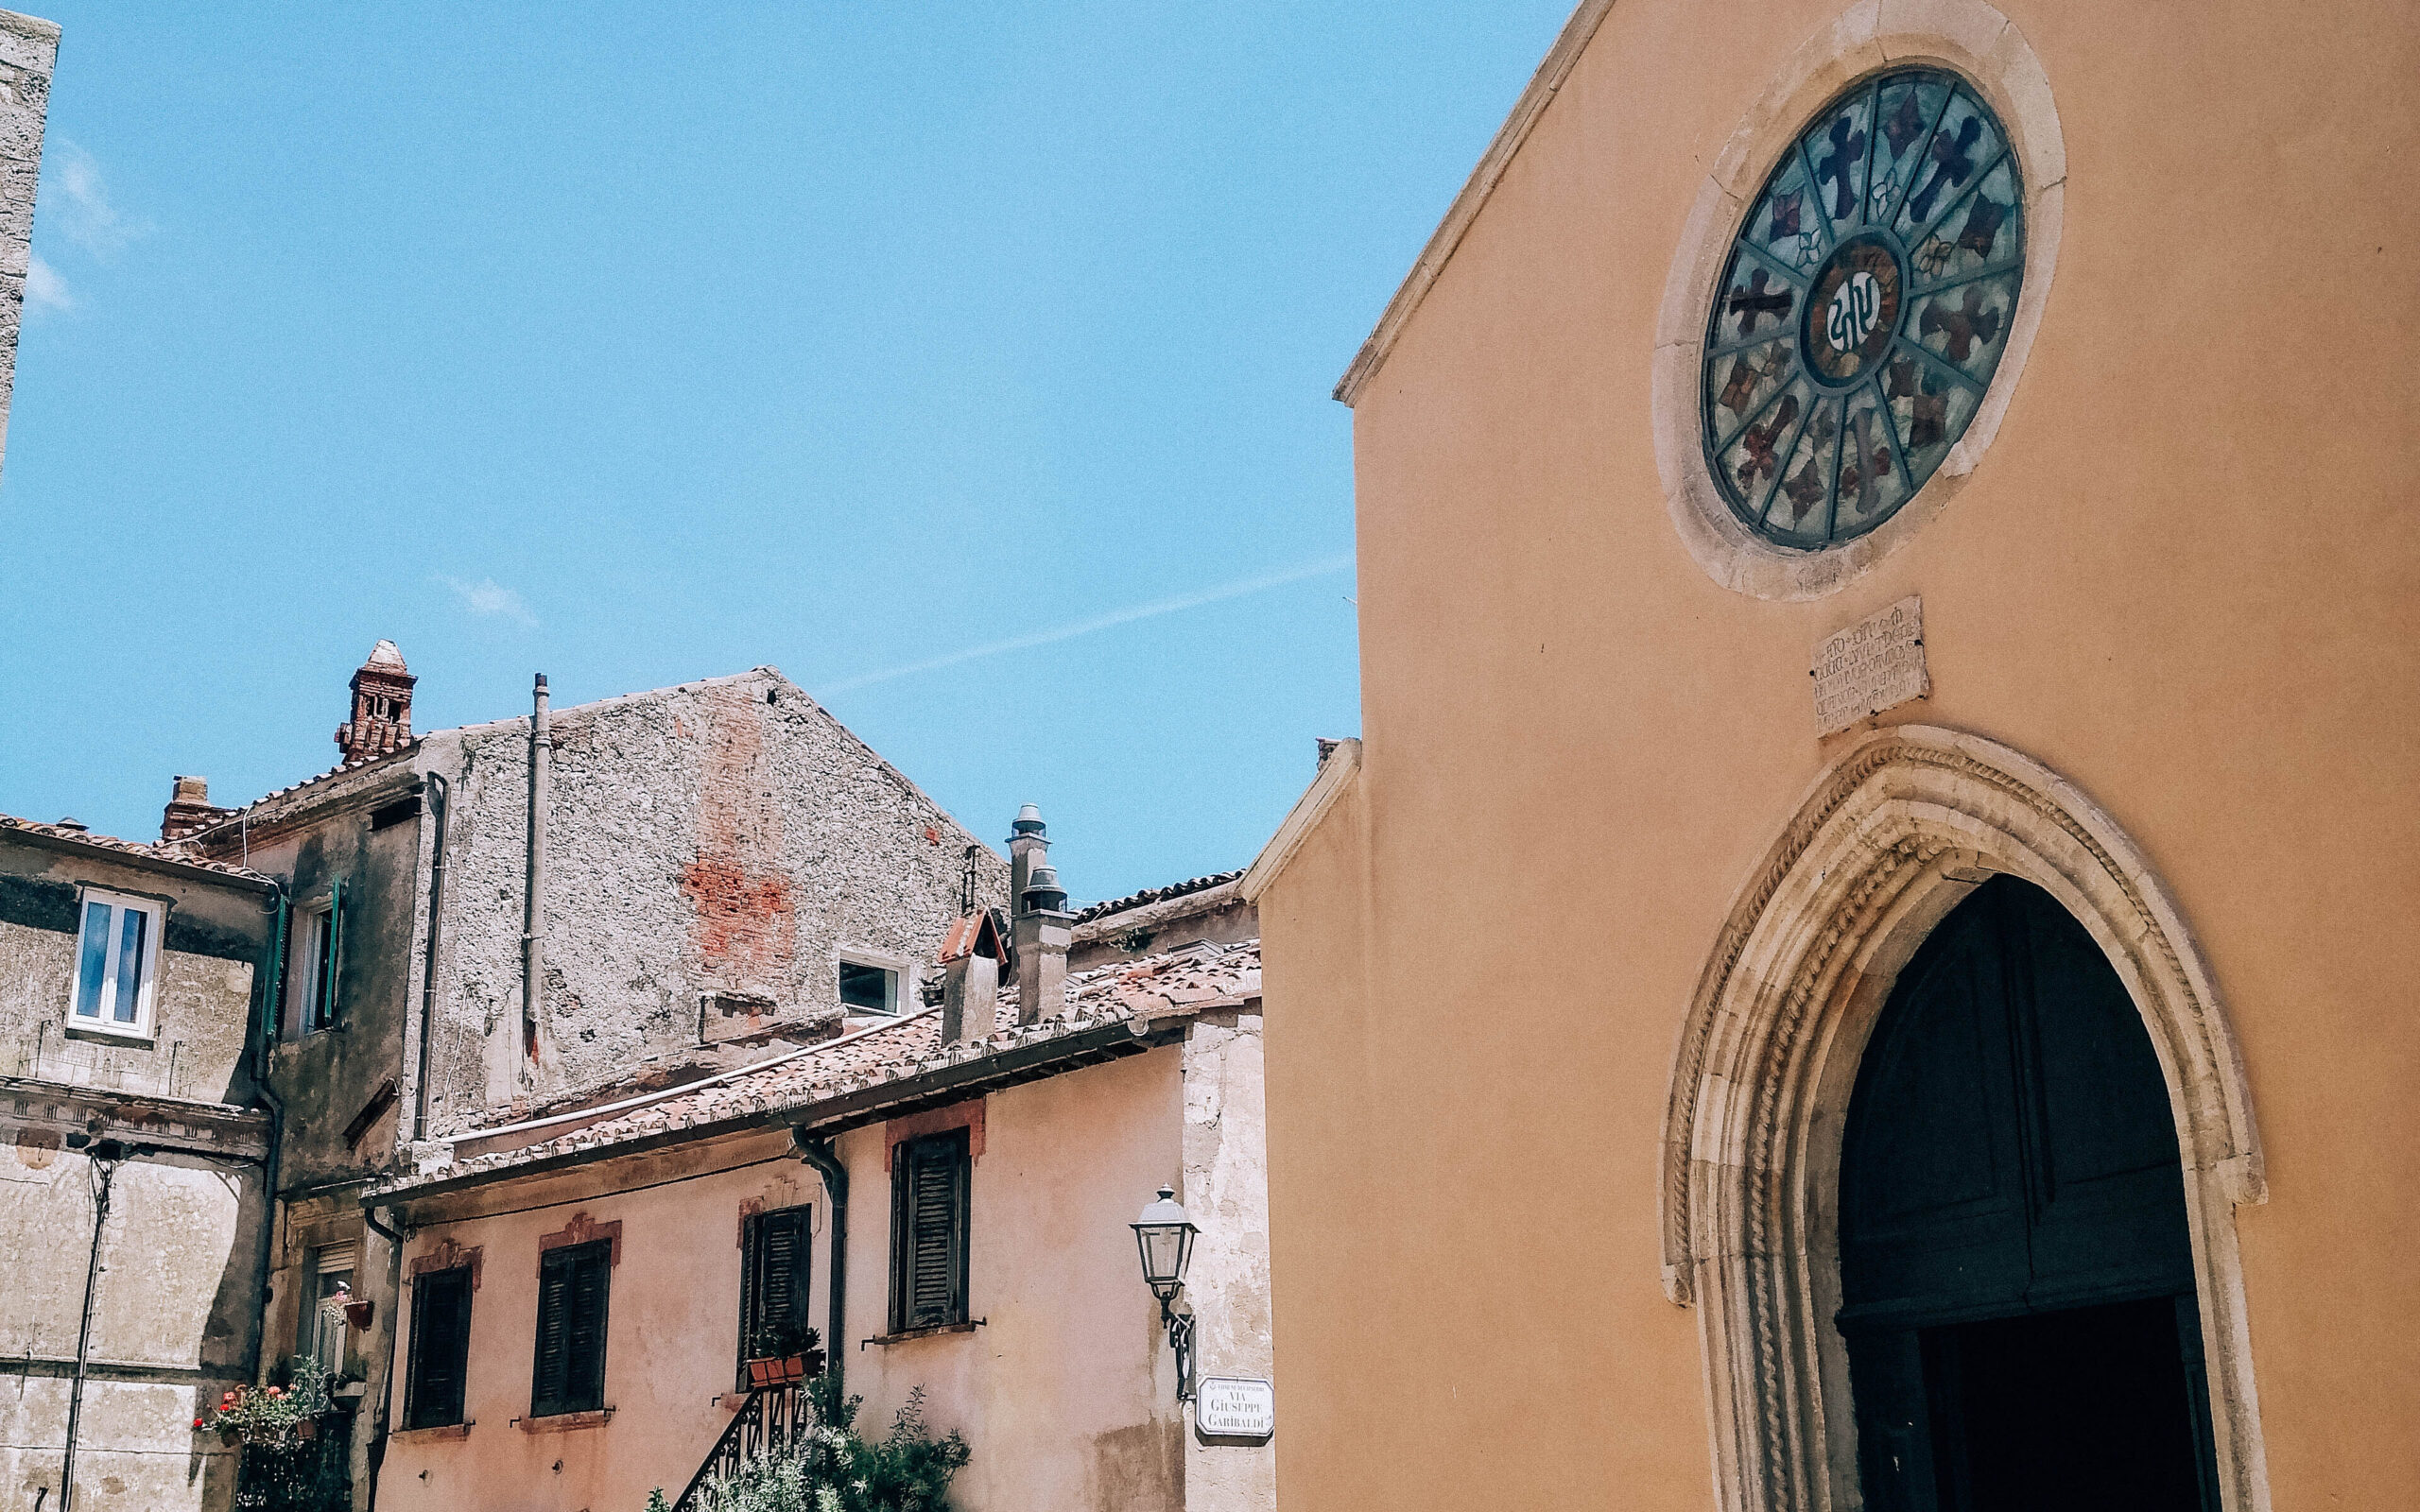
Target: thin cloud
{"points": [[45, 288], [1239, 589], [491, 599], [75, 203]]}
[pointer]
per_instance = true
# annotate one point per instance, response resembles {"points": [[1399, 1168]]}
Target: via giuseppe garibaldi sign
{"points": [[1228, 1407]]}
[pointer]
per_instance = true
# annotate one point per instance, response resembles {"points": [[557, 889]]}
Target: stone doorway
{"points": [[2016, 1269]]}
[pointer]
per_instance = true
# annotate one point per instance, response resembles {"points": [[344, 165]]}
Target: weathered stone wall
{"points": [[1226, 1193], [726, 837], [173, 1325], [29, 51], [215, 936]]}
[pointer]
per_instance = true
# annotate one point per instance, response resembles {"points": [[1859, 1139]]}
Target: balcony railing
{"points": [[772, 1418]]}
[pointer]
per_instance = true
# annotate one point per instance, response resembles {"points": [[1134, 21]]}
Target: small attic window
{"points": [[772, 696], [869, 988]]}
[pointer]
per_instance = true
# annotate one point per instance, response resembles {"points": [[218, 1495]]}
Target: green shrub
{"points": [[833, 1468]]}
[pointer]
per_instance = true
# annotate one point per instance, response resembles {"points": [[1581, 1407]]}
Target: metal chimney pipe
{"points": [[533, 923]]}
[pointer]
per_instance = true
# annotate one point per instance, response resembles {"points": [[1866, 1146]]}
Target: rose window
{"points": [[1865, 306]]}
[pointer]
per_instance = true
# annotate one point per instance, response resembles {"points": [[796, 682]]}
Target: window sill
{"points": [[430, 1436], [887, 1340], [114, 1035], [565, 1422]]}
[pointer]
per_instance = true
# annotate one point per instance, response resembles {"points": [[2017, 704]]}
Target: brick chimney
{"points": [[1042, 927], [382, 708], [189, 810]]}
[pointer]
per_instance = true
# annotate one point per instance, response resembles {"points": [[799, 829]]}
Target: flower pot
{"points": [[777, 1371], [308, 1427], [357, 1314], [229, 1438]]}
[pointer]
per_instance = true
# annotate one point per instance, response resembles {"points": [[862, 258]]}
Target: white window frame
{"points": [[306, 932], [144, 1026], [902, 979]]}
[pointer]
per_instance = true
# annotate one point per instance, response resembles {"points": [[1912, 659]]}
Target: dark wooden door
{"points": [[2010, 1154]]}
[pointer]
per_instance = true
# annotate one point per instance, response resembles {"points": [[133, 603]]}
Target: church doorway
{"points": [[2017, 1271]]}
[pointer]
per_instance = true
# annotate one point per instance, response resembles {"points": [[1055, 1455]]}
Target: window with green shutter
{"points": [[441, 1350], [573, 1284], [928, 1210]]}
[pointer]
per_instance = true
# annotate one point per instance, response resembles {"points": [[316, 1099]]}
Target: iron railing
{"points": [[770, 1421]]}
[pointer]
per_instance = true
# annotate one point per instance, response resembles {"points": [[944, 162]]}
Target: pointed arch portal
{"points": [[1911, 827]]}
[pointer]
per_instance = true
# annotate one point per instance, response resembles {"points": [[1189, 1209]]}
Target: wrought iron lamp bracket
{"points": [[1180, 1327]]}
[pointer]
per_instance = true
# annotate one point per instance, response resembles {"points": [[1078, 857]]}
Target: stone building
{"points": [[134, 1166], [720, 871], [1867, 961], [946, 1197]]}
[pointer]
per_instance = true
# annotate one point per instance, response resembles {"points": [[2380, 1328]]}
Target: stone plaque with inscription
{"points": [[1226, 1407], [1874, 664]]}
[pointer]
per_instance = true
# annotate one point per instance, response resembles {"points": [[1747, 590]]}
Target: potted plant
{"points": [[274, 1416], [358, 1311], [783, 1353]]}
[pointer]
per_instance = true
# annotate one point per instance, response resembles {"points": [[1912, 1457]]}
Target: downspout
{"points": [[438, 790], [533, 941], [84, 1330], [826, 1160], [275, 971], [376, 1457]]}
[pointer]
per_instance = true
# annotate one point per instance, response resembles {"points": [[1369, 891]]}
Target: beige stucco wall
{"points": [[2181, 578], [171, 1325], [1066, 1392]]}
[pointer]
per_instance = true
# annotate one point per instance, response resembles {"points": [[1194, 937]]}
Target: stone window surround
{"points": [[904, 977], [967, 1115], [449, 1254], [1890, 839], [1967, 37]]}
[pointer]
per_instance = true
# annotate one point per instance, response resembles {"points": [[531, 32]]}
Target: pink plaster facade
{"points": [[1066, 1390]]}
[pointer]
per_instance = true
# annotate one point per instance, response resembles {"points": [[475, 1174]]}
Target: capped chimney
{"points": [[969, 961], [189, 811], [1043, 925], [382, 708]]}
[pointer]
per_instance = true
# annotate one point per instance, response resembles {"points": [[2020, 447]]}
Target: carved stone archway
{"points": [[1885, 845]]}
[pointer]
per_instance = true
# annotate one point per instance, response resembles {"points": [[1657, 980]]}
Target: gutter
{"points": [[375, 1455], [822, 1155]]}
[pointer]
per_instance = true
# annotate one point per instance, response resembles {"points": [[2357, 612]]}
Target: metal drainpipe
{"points": [[374, 1459], [270, 1168], [84, 1331], [438, 790], [826, 1160], [533, 942]]}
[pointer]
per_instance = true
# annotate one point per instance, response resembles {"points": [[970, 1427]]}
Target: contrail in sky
{"points": [[1237, 589]]}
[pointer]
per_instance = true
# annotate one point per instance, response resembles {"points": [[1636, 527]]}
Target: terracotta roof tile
{"points": [[176, 852], [1153, 895], [1174, 983]]}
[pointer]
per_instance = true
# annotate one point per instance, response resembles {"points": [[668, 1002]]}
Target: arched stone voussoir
{"points": [[1884, 844]]}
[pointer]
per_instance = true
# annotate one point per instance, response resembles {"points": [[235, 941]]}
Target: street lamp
{"points": [[1164, 1237]]}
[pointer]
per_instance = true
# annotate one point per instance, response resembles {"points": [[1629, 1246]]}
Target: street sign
{"points": [[1226, 1407]]}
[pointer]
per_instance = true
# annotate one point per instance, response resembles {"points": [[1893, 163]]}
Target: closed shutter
{"points": [[334, 927], [774, 1281], [928, 1230], [572, 1295], [440, 1349]]}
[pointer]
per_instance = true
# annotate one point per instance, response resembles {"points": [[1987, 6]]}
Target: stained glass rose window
{"points": [[1863, 308]]}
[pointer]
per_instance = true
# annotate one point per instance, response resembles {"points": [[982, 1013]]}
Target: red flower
{"points": [[197, 1423]]}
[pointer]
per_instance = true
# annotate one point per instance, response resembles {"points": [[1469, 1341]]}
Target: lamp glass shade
{"points": [[1164, 1237]]}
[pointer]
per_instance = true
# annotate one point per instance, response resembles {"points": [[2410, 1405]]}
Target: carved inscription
{"points": [[1874, 664]]}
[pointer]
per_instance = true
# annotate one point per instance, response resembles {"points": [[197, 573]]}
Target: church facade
{"points": [[1862, 957]]}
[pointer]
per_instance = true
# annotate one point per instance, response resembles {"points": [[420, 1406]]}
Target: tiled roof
{"points": [[1154, 895], [178, 853], [1172, 984]]}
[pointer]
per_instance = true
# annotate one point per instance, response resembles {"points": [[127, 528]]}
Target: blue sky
{"points": [[972, 369]]}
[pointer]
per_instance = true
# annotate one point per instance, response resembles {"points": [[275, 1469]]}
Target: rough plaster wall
{"points": [[201, 1001], [326, 1079], [28, 50], [178, 1272], [1226, 1193], [700, 839]]}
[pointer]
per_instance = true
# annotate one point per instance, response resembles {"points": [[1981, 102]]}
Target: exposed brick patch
{"points": [[967, 1115], [746, 928]]}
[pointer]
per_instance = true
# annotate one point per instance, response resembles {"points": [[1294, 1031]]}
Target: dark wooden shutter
{"points": [[334, 944], [572, 1285], [928, 1233], [440, 1349], [774, 1276]]}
